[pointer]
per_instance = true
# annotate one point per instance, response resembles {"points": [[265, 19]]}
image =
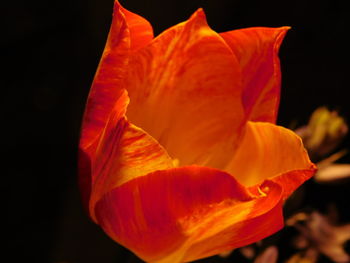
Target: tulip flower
{"points": [[180, 158]]}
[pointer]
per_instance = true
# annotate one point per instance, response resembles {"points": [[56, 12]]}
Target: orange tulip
{"points": [[180, 158]]}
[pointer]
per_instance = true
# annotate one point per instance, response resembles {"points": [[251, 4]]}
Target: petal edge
{"points": [[257, 52], [271, 152]]}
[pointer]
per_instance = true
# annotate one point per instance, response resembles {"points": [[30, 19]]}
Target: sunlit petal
{"points": [[128, 32], [257, 52], [169, 166], [185, 90], [272, 152], [124, 153], [141, 31], [187, 213], [107, 85]]}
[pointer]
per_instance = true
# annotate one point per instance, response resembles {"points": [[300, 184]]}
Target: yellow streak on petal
{"points": [[266, 151]]}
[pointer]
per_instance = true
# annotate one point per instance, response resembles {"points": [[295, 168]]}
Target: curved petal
{"points": [[89, 160], [107, 85], [271, 152], [236, 228], [257, 53], [124, 153], [185, 90], [141, 31], [186, 213], [127, 29]]}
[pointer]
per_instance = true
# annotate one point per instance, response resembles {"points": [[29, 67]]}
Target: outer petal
{"points": [[141, 31], [124, 152], [239, 228], [257, 53], [271, 152], [127, 29], [185, 90], [187, 213], [107, 88]]}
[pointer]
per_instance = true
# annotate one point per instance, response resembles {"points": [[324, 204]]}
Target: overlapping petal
{"points": [[239, 225], [141, 31], [257, 52], [183, 99], [107, 87], [124, 153], [179, 85], [271, 152], [128, 33], [186, 213]]}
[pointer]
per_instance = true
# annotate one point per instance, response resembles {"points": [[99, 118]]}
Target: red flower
{"points": [[179, 156]]}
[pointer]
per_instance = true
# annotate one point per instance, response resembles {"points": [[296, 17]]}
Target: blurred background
{"points": [[50, 51]]}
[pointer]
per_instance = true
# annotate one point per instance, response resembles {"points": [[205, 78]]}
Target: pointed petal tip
{"points": [[285, 28], [199, 17], [265, 142], [116, 7], [282, 31], [200, 12], [141, 30], [117, 4]]}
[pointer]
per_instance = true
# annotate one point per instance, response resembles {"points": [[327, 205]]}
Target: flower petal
{"points": [[107, 90], [257, 53], [128, 32], [141, 31], [107, 86], [271, 152], [187, 213], [87, 153], [185, 90], [240, 225], [124, 153]]}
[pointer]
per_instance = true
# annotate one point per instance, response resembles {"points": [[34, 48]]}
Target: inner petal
{"points": [[185, 90], [257, 49], [269, 151]]}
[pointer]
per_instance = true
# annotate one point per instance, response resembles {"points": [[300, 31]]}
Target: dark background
{"points": [[50, 51]]}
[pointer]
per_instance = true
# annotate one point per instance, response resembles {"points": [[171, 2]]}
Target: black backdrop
{"points": [[50, 51]]}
